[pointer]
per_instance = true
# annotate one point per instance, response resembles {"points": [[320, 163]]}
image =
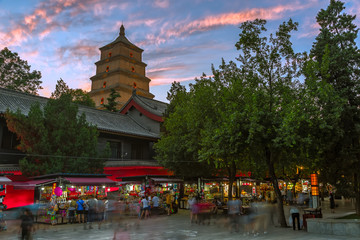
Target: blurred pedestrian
{"points": [[332, 202], [80, 210], [144, 207], [72, 209], [92, 203], [168, 203], [295, 215], [100, 212], [191, 202], [27, 225], [234, 207]]}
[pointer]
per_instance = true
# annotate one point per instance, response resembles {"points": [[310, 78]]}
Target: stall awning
{"points": [[32, 184], [90, 181], [4, 180], [167, 180]]}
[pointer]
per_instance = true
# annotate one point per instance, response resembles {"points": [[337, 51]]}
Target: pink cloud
{"points": [[48, 16], [45, 91], [85, 85], [310, 29], [186, 27], [163, 69], [30, 55], [162, 3], [164, 81]]}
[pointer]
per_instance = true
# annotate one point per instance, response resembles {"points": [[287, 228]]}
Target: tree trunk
{"points": [[280, 206], [232, 173]]}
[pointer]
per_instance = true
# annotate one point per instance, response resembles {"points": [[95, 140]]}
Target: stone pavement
{"points": [[176, 227]]}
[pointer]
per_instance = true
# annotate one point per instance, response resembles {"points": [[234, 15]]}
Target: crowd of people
{"points": [[253, 219]]}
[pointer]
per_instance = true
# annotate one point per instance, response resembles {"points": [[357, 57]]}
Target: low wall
{"points": [[340, 227]]}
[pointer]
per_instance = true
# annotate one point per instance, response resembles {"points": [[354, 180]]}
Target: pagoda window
{"points": [[132, 69], [107, 69], [102, 101], [131, 54], [109, 55], [104, 84]]}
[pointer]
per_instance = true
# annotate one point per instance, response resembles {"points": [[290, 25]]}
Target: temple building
{"points": [[120, 68]]}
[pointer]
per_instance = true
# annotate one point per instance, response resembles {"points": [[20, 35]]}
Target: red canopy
{"points": [[131, 171], [90, 181], [31, 184]]}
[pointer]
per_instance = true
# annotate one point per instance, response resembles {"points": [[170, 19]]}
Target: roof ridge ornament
{"points": [[122, 30]]}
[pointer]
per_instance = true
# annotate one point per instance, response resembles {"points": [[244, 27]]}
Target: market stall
{"points": [[54, 193]]}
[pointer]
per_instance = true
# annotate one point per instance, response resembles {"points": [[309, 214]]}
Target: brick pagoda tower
{"points": [[120, 68]]}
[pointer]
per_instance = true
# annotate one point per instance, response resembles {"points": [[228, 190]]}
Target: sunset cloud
{"points": [[180, 39], [54, 15], [162, 3], [186, 28], [78, 51], [165, 81]]}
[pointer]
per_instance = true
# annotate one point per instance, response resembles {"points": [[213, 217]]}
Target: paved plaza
{"points": [[177, 226]]}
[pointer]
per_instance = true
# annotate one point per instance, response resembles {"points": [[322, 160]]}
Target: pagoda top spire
{"points": [[122, 30]]}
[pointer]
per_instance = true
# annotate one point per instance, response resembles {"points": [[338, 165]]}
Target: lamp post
{"points": [[314, 189]]}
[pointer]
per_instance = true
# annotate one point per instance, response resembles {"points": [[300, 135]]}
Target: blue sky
{"points": [[180, 38]]}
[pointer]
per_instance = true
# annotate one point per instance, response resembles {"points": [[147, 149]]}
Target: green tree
{"points": [[15, 73], [179, 144], [56, 139], [337, 62], [60, 89], [111, 105], [78, 96], [224, 131], [272, 100]]}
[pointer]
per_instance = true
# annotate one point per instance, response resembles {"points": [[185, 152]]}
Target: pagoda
{"points": [[120, 68]]}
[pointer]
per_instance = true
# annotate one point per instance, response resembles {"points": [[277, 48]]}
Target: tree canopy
{"points": [[56, 139], [335, 60], [180, 141], [78, 96], [15, 73]]}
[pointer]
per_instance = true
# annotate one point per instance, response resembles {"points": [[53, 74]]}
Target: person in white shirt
{"points": [[295, 215], [155, 201], [144, 208]]}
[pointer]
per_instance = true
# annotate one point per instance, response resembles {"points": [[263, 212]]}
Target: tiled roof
{"points": [[153, 106], [104, 120], [122, 39]]}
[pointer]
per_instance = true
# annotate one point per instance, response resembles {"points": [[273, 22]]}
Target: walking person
{"points": [[86, 211], [92, 211], [144, 208], [332, 202], [80, 210], [168, 203], [72, 209], [295, 215], [27, 225], [100, 212], [106, 209], [234, 207], [191, 202]]}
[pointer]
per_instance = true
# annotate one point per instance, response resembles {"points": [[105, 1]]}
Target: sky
{"points": [[181, 38]]}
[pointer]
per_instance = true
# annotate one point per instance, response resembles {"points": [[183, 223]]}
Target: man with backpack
{"points": [[80, 210]]}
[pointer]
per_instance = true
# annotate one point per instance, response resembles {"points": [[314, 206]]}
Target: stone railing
{"points": [[340, 227]]}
